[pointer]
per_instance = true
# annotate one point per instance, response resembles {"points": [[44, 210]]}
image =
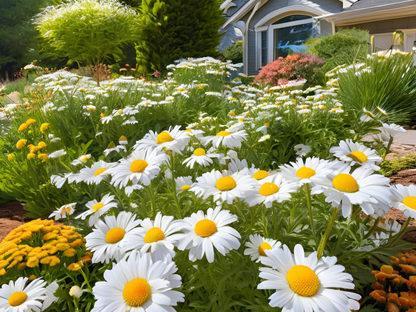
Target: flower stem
{"points": [[388, 147], [324, 239], [308, 198]]}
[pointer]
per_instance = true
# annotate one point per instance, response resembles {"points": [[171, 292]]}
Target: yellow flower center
{"points": [[163, 138], [261, 174], [263, 247], [84, 158], [154, 235], [137, 292], [303, 280], [99, 171], [205, 228], [410, 201], [225, 184], [122, 138], [358, 156], [114, 235], [345, 183], [223, 133], [17, 298], [305, 173], [199, 152], [98, 206], [268, 189], [185, 187], [66, 210], [138, 165], [267, 124]]}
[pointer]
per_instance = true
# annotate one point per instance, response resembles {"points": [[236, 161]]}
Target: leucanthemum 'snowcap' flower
{"points": [[21, 296], [138, 284], [404, 198], [307, 171], [356, 153], [224, 188], [57, 154], [183, 183], [231, 137], [360, 187], [173, 139], [257, 246], [200, 157], [63, 212], [203, 232], [95, 174], [302, 149], [270, 189], [81, 160], [306, 283], [157, 237], [97, 208], [141, 166], [392, 129], [107, 239]]}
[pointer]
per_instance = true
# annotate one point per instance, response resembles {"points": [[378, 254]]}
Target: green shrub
{"points": [[234, 52], [345, 47], [175, 29], [88, 31], [392, 166]]}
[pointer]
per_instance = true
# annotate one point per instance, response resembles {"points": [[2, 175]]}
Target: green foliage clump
{"points": [[175, 29], [392, 166], [345, 47], [234, 52], [87, 31]]}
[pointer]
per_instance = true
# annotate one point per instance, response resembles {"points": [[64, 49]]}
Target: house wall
{"points": [[330, 6], [386, 26]]}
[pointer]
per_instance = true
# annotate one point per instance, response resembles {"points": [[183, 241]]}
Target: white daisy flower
{"points": [[109, 236], [404, 198], [81, 160], [95, 174], [224, 188], [228, 138], [270, 189], [50, 297], [140, 166], [158, 236], [63, 212], [138, 284], [183, 183], [357, 153], [57, 154], [306, 283], [306, 171], [97, 208], [21, 296], [360, 187], [264, 138], [302, 149], [172, 140], [117, 148], [196, 133], [393, 129], [203, 232], [200, 157], [258, 245]]}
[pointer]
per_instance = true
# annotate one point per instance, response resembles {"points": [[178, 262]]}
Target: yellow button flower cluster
{"points": [[40, 242]]}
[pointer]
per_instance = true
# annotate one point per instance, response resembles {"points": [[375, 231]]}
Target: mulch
{"points": [[13, 215]]}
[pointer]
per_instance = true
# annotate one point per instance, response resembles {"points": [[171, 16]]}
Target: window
{"points": [[290, 40], [291, 18], [263, 48]]}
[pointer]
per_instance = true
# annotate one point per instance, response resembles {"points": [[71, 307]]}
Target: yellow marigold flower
{"points": [[32, 277], [62, 246], [32, 262], [14, 262], [49, 236], [27, 234], [42, 254], [85, 258], [70, 252], [3, 264], [21, 143], [43, 156], [31, 156], [22, 127], [10, 157], [21, 266], [42, 144], [44, 127], [53, 250], [77, 243], [74, 267], [2, 272], [30, 121]]}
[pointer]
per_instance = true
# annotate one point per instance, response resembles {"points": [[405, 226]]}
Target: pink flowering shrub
{"points": [[292, 67]]}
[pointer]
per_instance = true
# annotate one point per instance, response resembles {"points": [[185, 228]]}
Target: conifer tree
{"points": [[174, 29]]}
